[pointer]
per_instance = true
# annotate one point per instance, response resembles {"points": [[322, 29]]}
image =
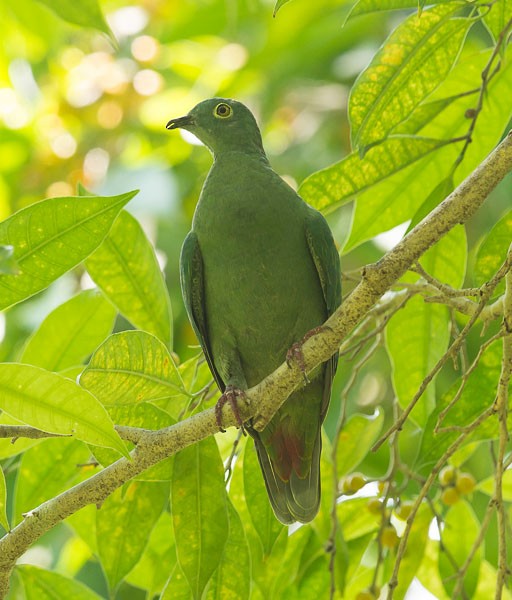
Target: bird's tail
{"points": [[298, 497]]}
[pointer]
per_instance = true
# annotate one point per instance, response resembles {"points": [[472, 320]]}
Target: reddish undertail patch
{"points": [[288, 454]]}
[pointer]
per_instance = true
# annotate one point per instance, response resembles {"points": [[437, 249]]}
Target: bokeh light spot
{"points": [[59, 188], [63, 145], [110, 114], [147, 82], [145, 48]]}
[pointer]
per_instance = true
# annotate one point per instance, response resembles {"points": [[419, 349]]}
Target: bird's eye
{"points": [[223, 110]]}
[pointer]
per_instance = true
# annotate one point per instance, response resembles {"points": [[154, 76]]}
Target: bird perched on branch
{"points": [[260, 270]]}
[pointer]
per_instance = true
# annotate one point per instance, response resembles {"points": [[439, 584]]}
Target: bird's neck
{"points": [[247, 154]]}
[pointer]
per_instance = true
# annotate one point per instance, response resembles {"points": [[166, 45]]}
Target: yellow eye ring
{"points": [[223, 111]]}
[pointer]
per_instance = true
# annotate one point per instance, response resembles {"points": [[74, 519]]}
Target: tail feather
{"points": [[297, 499]]}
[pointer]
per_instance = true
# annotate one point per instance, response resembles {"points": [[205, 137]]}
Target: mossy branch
{"points": [[266, 397]]}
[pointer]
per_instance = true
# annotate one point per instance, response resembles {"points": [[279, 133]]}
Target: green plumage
{"points": [[259, 270]]}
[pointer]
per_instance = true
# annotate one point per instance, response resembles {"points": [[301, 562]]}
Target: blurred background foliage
{"points": [[78, 106]]}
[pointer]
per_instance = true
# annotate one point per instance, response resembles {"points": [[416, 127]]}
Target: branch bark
{"points": [[265, 398]]}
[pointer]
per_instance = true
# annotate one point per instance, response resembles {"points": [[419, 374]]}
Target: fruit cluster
{"points": [[454, 484]]}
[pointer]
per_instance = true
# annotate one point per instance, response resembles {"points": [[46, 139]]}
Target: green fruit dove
{"points": [[260, 270]]}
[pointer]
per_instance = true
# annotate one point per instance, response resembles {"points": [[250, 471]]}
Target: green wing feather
{"points": [[192, 287]]}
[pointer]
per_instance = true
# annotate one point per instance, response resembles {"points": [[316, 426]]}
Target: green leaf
{"points": [[356, 438], [53, 236], [131, 367], [497, 17], [232, 579], [493, 250], [127, 271], [71, 332], [8, 264], [47, 470], [413, 61], [177, 586], [263, 519], [461, 527], [438, 194], [199, 512], [414, 551], [336, 185], [87, 13], [123, 526], [159, 558], [3, 502], [397, 198], [355, 519], [363, 7], [278, 5], [55, 404], [47, 585], [481, 385], [487, 486]]}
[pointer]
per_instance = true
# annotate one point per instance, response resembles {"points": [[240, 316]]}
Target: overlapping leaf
{"points": [[55, 404], [356, 438], [131, 367], [337, 184], [53, 236], [124, 524], [493, 250], [199, 512], [126, 269], [498, 16], [71, 332], [413, 61], [47, 585]]}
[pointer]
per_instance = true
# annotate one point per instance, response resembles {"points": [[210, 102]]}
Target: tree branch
{"points": [[265, 398]]}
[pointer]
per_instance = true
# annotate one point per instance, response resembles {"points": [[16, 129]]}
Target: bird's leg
{"points": [[295, 351], [230, 396]]}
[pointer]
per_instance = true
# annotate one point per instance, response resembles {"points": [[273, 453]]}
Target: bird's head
{"points": [[222, 125]]}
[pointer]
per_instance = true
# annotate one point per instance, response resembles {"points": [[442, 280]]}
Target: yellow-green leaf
{"points": [[55, 404], [487, 486], [47, 585], [53, 236], [87, 13], [497, 16], [71, 332], [413, 61], [493, 250], [123, 526], [337, 184], [356, 438], [199, 512], [131, 367], [126, 269]]}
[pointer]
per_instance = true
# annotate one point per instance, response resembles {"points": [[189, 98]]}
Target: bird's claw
{"points": [[295, 352], [230, 396]]}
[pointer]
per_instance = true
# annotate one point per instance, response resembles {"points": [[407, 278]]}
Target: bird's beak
{"points": [[180, 122]]}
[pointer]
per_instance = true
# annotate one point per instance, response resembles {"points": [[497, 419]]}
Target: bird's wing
{"points": [[327, 262], [192, 287]]}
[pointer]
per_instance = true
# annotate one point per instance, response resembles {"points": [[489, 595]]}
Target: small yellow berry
{"points": [[375, 506], [450, 496], [382, 486], [447, 475], [352, 483], [367, 594], [404, 510], [389, 537], [465, 483]]}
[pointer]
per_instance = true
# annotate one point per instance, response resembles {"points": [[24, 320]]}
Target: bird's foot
{"points": [[295, 352], [230, 396]]}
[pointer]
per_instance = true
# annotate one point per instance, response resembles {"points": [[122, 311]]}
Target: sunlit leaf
{"points": [[46, 470], [461, 528], [263, 519], [55, 404], [152, 570], [278, 5], [8, 264], [438, 194], [71, 332], [131, 367], [123, 526], [199, 512], [7, 448], [413, 61], [414, 550], [337, 184], [355, 519], [487, 486], [3, 502], [356, 438], [232, 579], [53, 236], [87, 13], [397, 198], [493, 250], [47, 585], [126, 269], [362, 7], [177, 586], [497, 17]]}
